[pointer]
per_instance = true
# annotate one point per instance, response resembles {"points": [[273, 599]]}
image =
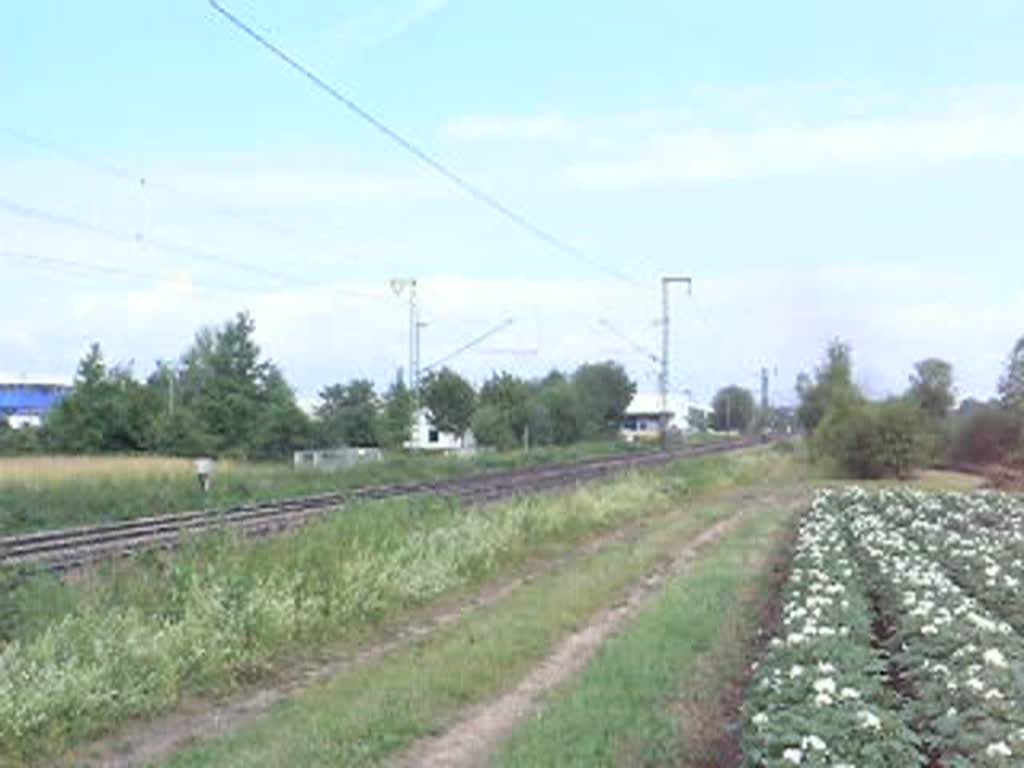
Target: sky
{"points": [[820, 169]]}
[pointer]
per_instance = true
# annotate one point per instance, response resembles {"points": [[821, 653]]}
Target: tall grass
{"points": [[131, 639], [52, 492], [44, 470]]}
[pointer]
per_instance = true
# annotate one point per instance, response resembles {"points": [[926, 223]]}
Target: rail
{"points": [[71, 548]]}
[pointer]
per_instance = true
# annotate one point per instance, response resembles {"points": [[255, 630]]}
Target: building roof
{"points": [[645, 403], [26, 379]]}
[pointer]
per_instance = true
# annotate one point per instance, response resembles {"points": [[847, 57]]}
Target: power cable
{"points": [[470, 344], [639, 348], [104, 269], [63, 220], [471, 189], [147, 181]]}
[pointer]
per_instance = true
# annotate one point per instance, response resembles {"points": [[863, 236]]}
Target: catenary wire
{"points": [[470, 344], [167, 246], [106, 269], [471, 189], [147, 181]]}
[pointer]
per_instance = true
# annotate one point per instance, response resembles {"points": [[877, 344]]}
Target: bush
{"points": [[987, 433], [491, 427], [19, 442], [874, 440]]}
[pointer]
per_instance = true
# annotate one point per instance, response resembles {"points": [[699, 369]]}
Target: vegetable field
{"points": [[900, 641]]}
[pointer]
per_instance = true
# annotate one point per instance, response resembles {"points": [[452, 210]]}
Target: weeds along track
{"points": [[71, 548]]}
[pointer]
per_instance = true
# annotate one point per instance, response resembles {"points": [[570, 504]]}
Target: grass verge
{"points": [[130, 640], [362, 717], [646, 697]]}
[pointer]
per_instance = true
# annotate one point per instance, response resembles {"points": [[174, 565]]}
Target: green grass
{"points": [[132, 638], [362, 717], [36, 503], [626, 707]]}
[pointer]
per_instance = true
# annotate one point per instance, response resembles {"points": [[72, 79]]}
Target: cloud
{"points": [[701, 154], [320, 335], [497, 128], [383, 22]]}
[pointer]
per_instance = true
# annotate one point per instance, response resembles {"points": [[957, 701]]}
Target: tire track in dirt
{"points": [[473, 739], [141, 744]]}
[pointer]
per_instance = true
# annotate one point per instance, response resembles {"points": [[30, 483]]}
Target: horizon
{"points": [[811, 191]]}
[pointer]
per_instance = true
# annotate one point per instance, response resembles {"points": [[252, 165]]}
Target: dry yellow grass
{"points": [[51, 469]]}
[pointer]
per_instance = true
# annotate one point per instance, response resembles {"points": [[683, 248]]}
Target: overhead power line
{"points": [[637, 347], [470, 344], [146, 181], [104, 270], [471, 189], [167, 246]]}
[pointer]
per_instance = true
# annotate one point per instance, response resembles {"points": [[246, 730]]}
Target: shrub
{"points": [[986, 433], [873, 440], [491, 427]]}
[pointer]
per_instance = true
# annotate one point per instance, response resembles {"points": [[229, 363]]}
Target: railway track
{"points": [[71, 548]]}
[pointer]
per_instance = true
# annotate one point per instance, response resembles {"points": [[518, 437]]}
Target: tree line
{"points": [[223, 398], [507, 410], [920, 426]]}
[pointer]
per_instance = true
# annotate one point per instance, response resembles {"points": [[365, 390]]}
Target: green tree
{"points": [[985, 432], [604, 392], [1011, 385], [733, 409], [832, 384], [931, 387], [538, 420], [179, 432], [450, 399], [19, 442], [349, 414], [106, 410], [282, 427], [874, 440], [491, 427], [508, 394], [399, 408], [559, 401], [78, 423], [240, 400]]}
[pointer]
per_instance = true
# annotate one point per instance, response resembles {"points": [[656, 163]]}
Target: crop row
{"points": [[961, 662], [979, 539], [818, 697], [897, 643]]}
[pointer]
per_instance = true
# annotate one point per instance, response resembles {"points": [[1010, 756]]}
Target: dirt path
{"points": [[472, 740], [139, 744]]}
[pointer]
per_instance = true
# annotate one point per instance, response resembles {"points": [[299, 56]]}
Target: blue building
{"points": [[25, 400]]}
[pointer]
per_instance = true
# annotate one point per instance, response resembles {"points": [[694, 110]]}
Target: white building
{"points": [[642, 419], [427, 437]]}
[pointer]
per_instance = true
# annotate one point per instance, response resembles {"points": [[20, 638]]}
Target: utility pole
{"points": [[420, 325], [664, 378], [398, 285]]}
